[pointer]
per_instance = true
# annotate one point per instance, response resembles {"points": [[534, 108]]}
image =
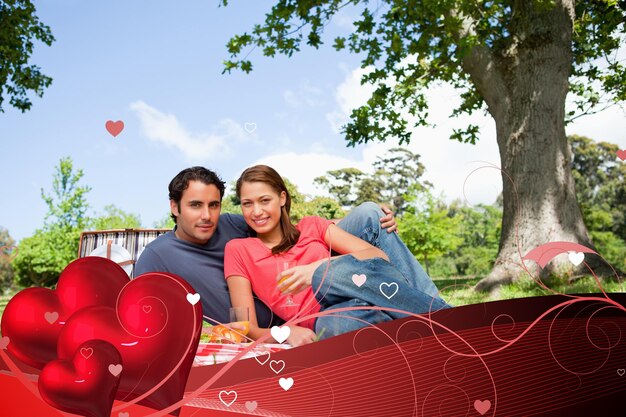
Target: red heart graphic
{"points": [[82, 385], [114, 128], [621, 154], [34, 317], [157, 346]]}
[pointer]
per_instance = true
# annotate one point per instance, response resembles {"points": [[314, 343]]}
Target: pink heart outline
{"points": [[86, 352]]}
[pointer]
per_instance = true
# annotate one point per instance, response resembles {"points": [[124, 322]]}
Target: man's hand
{"points": [[388, 222]]}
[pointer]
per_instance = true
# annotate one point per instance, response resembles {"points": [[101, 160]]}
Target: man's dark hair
{"points": [[181, 182]]}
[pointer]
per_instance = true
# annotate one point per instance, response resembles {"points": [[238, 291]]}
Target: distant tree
{"points": [[6, 270], [601, 192], [114, 218], [427, 229], [67, 204], [43, 256], [342, 184], [517, 60], [19, 28], [319, 206], [395, 173], [400, 170], [600, 183], [166, 222], [372, 188], [479, 229]]}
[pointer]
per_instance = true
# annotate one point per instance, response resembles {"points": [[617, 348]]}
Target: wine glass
{"points": [[283, 265]]}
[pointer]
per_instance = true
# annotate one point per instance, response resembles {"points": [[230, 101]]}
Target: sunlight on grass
{"points": [[459, 291]]}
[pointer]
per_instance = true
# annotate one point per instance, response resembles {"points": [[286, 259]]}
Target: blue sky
{"points": [[157, 66]]}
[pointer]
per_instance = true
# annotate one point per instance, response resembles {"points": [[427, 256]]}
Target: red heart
{"points": [[114, 128], [82, 385], [621, 154], [157, 344], [34, 317]]}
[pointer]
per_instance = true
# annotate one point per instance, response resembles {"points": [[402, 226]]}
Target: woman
{"points": [[360, 277]]}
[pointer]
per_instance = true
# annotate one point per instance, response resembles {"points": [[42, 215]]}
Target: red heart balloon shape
{"points": [[155, 329], [84, 385], [34, 317]]}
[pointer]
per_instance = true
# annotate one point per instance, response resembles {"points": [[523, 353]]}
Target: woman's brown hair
{"points": [[269, 176]]}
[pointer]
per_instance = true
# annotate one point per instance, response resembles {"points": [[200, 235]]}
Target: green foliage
{"points": [[19, 28], [478, 230], [601, 192], [6, 269], [166, 222], [342, 184], [115, 218], [427, 229], [67, 205], [399, 171], [43, 256], [410, 45], [396, 172], [318, 206]]}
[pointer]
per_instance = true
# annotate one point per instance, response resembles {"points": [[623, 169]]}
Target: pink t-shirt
{"points": [[251, 259]]}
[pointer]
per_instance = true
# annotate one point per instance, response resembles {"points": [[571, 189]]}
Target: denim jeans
{"points": [[364, 223], [384, 286]]}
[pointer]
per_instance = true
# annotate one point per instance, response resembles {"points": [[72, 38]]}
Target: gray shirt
{"points": [[202, 266]]}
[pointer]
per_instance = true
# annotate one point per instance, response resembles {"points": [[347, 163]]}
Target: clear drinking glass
{"points": [[283, 265], [240, 317]]}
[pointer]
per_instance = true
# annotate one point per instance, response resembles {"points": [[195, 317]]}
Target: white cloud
{"points": [[303, 168], [306, 94], [607, 126], [165, 129], [448, 163], [349, 95]]}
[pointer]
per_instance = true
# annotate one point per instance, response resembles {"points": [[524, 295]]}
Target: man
{"points": [[194, 249]]}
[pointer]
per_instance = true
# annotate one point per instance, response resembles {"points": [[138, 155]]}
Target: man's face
{"points": [[198, 214]]}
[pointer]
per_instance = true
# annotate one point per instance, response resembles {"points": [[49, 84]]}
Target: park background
{"points": [[158, 67]]}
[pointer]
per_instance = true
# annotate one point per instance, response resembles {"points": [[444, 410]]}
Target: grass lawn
{"points": [[459, 291]]}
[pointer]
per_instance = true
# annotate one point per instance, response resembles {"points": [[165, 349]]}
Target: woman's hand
{"points": [[300, 336], [296, 279], [388, 221]]}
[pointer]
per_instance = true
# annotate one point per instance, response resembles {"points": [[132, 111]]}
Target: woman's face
{"points": [[260, 205]]}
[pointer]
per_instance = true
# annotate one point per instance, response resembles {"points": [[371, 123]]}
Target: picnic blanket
{"points": [[215, 353]]}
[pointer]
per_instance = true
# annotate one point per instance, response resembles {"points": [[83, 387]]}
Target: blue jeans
{"points": [[384, 287], [364, 223]]}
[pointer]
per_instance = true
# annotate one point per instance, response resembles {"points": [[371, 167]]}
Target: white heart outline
{"points": [[229, 393], [380, 287]]}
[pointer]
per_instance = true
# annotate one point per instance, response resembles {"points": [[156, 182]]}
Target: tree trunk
{"points": [[525, 87]]}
